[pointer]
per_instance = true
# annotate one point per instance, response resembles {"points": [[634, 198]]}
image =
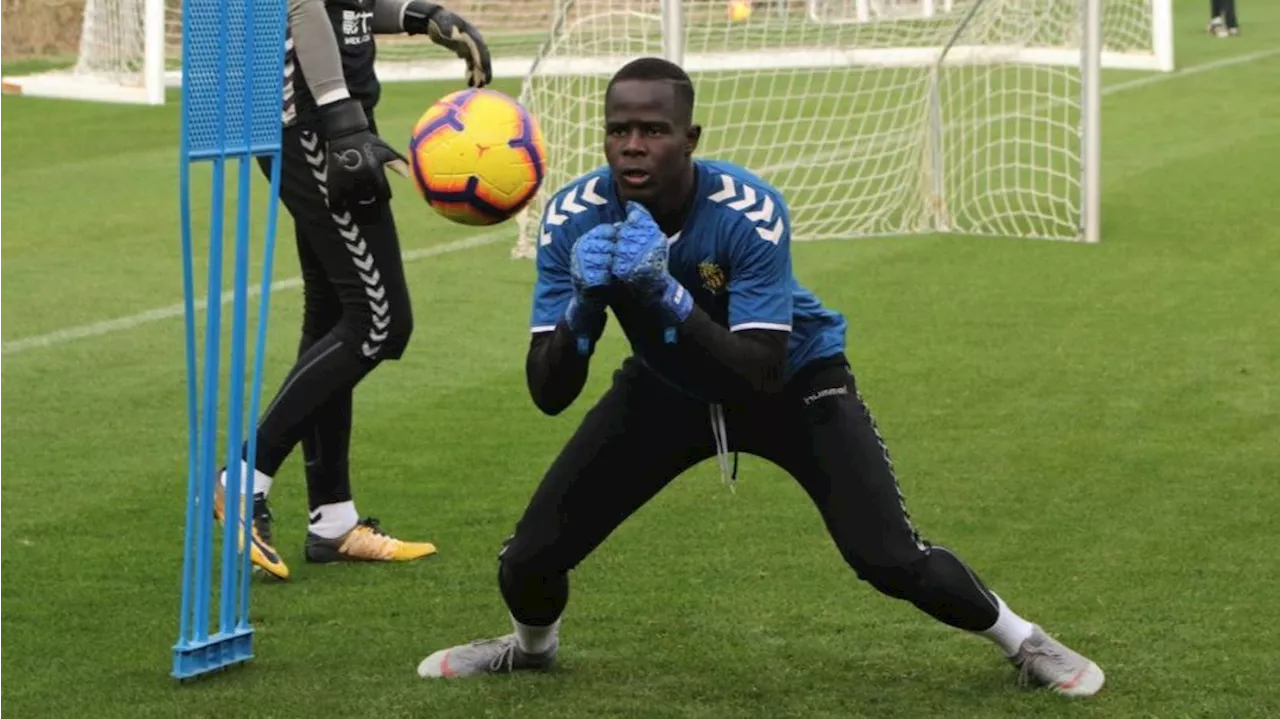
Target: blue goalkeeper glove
{"points": [[640, 263], [589, 263]]}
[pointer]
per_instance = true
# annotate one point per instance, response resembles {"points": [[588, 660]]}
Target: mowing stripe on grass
{"points": [[118, 324]]}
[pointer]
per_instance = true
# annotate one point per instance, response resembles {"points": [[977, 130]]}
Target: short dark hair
{"points": [[656, 68]]}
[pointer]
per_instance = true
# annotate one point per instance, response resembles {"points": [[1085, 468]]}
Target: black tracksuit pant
{"points": [[356, 314], [643, 433]]}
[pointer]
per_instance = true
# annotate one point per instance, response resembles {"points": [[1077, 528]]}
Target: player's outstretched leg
{"points": [[609, 469], [1041, 659], [535, 598], [840, 459], [521, 650]]}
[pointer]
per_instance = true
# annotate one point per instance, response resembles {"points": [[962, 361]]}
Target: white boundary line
{"points": [[1189, 70], [118, 324], [163, 313]]}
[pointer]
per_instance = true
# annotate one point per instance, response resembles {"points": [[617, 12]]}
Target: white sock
{"points": [[333, 520], [1009, 631], [261, 482], [536, 640]]}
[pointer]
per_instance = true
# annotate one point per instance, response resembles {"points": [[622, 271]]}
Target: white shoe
{"points": [[487, 656], [1047, 661]]}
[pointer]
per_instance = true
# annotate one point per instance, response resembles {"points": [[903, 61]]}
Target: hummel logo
{"points": [[558, 214], [829, 392], [765, 213]]}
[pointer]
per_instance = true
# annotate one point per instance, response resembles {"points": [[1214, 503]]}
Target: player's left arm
{"points": [[751, 355], [445, 28]]}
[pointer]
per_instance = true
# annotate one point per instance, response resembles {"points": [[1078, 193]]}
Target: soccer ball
{"points": [[739, 10], [477, 156]]}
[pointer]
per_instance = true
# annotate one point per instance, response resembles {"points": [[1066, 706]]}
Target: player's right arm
{"points": [[316, 48], [568, 312]]}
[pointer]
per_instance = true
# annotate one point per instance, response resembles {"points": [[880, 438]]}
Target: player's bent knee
{"points": [[519, 560], [397, 339], [377, 335]]}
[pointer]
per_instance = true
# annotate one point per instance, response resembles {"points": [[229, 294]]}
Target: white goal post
{"points": [[122, 55], [874, 117]]}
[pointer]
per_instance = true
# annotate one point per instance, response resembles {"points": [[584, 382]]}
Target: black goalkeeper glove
{"points": [[356, 180], [453, 32]]}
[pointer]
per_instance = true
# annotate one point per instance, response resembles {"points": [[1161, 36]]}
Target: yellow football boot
{"points": [[366, 542], [261, 553]]}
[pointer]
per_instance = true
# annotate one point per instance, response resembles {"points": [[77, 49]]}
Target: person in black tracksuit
{"points": [[356, 303], [1222, 18]]}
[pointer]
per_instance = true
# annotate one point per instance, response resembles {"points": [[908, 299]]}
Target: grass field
{"points": [[1095, 428]]}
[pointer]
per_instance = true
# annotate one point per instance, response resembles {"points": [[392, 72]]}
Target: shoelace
{"points": [[262, 518], [370, 542], [506, 659], [373, 525]]}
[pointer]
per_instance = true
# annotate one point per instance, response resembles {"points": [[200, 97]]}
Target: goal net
{"points": [[874, 117]]}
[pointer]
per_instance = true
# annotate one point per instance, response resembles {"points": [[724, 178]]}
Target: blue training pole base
{"points": [[232, 94], [217, 652]]}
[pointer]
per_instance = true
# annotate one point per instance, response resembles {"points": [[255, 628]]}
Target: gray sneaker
{"points": [[488, 656], [1046, 661]]}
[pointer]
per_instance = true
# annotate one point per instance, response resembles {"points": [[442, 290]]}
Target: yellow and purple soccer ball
{"points": [[477, 156]]}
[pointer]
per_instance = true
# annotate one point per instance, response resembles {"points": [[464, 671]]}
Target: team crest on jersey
{"points": [[712, 276]]}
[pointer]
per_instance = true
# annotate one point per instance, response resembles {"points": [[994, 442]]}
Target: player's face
{"points": [[648, 141]]}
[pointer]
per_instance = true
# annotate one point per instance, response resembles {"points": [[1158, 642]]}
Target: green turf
{"points": [[1095, 428]]}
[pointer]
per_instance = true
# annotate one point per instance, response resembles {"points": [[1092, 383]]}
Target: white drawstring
{"points": [[721, 432]]}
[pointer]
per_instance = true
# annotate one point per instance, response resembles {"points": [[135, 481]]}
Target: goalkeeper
{"points": [[356, 304], [730, 354]]}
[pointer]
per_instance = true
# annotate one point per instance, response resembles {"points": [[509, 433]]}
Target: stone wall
{"points": [[40, 28]]}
